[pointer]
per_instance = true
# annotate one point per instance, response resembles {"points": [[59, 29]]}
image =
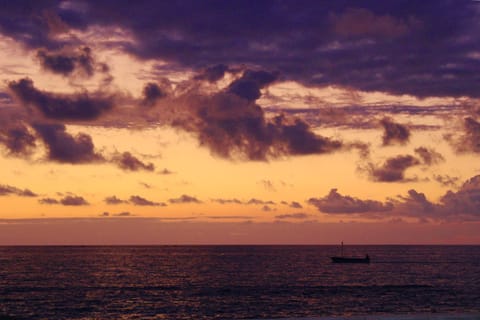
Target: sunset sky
{"points": [[239, 122]]}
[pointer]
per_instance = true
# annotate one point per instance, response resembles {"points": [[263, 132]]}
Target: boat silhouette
{"points": [[343, 259]]}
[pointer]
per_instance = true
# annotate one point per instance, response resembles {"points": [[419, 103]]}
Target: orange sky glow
{"points": [[115, 145]]}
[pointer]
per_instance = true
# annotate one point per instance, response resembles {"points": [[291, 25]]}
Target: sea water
{"points": [[239, 282]]}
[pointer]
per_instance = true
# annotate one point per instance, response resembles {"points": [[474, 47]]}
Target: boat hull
{"points": [[349, 260]]}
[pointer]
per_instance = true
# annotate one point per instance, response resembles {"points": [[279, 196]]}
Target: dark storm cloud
{"points": [[248, 86], [184, 199], [66, 63], [429, 156], [334, 202], [394, 132], [127, 161], [213, 73], [73, 200], [422, 49], [359, 22], [139, 201], [31, 22], [393, 169], [18, 139], [114, 200], [6, 190], [63, 147], [76, 106], [152, 92]]}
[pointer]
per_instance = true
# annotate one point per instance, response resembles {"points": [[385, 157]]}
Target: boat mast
{"points": [[342, 248]]}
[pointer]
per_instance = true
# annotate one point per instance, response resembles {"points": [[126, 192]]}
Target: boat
{"points": [[343, 259]]}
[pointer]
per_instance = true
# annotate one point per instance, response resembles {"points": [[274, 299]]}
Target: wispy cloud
{"points": [[127, 161], [114, 200], [140, 201], [69, 200], [6, 190], [184, 199], [299, 216]]}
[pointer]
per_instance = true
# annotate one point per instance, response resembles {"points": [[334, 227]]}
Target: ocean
{"points": [[238, 282]]}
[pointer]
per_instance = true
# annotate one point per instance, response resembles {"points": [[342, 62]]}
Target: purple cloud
{"points": [[393, 169], [429, 156], [18, 140], [6, 190], [139, 201], [334, 202], [469, 140], [63, 147], [332, 44], [73, 201], [114, 200], [227, 201], [255, 201], [299, 216], [394, 132], [48, 201], [213, 73], [77, 106], [127, 161], [184, 199], [460, 205], [65, 63], [152, 92], [235, 127]]}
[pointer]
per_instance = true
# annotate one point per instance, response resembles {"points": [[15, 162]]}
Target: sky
{"points": [[239, 122]]}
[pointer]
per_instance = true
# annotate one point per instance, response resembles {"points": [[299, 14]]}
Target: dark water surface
{"points": [[235, 282]]}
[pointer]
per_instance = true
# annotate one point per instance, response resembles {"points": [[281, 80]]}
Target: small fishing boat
{"points": [[343, 259]]}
